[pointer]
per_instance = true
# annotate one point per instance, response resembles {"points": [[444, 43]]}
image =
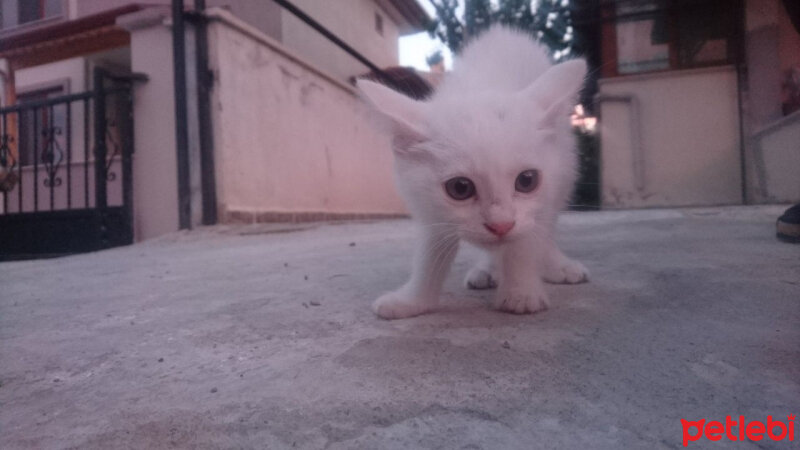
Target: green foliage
{"points": [[549, 22], [434, 58]]}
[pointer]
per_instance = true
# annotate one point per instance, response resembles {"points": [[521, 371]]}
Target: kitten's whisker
{"points": [[439, 224], [442, 248], [445, 254], [444, 241]]}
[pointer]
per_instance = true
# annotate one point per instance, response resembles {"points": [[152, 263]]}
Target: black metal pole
{"points": [[181, 122], [127, 162], [300, 14], [741, 87], [205, 80], [100, 154], [100, 151]]}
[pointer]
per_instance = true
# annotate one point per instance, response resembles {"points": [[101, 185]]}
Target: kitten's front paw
{"points": [[567, 271], [521, 302], [479, 278], [397, 305]]}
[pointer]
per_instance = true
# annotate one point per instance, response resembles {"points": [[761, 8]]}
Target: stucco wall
{"points": [[690, 135], [354, 22], [72, 71], [777, 150], [155, 196], [772, 48], [264, 15], [83, 8], [288, 137]]}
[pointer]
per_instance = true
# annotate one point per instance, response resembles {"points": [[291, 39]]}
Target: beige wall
{"points": [[354, 22], [764, 65], [771, 14], [264, 15], [288, 138], [155, 196], [72, 71], [788, 44], [772, 48], [690, 136], [777, 153], [83, 8]]}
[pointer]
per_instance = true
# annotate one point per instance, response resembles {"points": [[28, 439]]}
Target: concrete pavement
{"points": [[262, 337]]}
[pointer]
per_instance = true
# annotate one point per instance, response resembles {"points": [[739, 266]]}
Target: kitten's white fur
{"points": [[503, 110]]}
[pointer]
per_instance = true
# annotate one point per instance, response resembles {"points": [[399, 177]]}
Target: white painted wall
{"points": [[690, 134], [288, 137], [354, 22], [155, 196], [777, 152], [83, 8], [73, 70], [772, 48]]}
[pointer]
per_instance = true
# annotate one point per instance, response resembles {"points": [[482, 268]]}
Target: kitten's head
{"points": [[493, 166]]}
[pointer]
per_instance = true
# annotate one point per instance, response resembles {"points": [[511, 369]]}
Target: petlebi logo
{"points": [[738, 429]]}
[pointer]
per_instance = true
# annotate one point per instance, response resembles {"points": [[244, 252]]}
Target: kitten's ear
{"points": [[403, 115], [556, 91]]}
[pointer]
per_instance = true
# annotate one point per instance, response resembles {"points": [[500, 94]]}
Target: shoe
{"points": [[788, 226]]}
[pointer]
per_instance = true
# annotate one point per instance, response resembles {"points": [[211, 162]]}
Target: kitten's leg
{"points": [[434, 255], [521, 288], [560, 269], [483, 274]]}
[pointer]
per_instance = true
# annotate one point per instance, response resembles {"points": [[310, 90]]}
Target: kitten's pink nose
{"points": [[499, 228]]}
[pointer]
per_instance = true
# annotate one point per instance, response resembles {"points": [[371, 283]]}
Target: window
{"points": [[641, 45], [40, 127], [20, 12], [671, 34], [705, 34], [379, 23]]}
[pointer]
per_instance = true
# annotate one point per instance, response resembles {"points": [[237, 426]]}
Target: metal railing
{"points": [[379, 73], [48, 157], [66, 171]]}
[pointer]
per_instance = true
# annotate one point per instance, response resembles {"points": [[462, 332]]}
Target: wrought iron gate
{"points": [[65, 172]]}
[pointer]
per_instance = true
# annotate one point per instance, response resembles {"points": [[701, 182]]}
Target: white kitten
{"points": [[489, 159]]}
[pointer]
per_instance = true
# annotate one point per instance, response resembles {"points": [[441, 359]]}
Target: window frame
{"points": [[36, 23], [671, 10]]}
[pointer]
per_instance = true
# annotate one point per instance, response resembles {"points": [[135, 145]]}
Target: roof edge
{"points": [[63, 28]]}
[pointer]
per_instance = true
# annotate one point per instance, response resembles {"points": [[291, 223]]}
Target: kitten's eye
{"points": [[459, 188], [527, 181]]}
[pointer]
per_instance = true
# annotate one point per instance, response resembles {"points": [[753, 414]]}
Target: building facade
{"points": [[697, 101], [285, 123]]}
